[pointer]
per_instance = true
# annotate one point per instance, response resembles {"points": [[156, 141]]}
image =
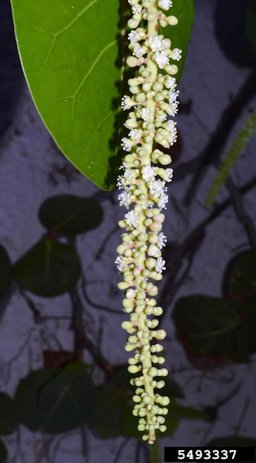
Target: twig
{"points": [[120, 449], [105, 241], [31, 305], [81, 341], [190, 245], [214, 147], [242, 215], [95, 304]]}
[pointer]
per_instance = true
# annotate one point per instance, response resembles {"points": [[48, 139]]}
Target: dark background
{"points": [[217, 93]]}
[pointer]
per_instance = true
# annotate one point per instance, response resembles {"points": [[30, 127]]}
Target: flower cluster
{"points": [[151, 104]]}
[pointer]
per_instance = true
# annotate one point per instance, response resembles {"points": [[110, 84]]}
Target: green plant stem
{"points": [[236, 149], [154, 453]]}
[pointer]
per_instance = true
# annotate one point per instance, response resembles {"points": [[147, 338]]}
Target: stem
{"points": [[141, 208]]}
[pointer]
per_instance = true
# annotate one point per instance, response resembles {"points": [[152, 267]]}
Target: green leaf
{"points": [[48, 269], [3, 453], [250, 23], [8, 417], [55, 400], [186, 413], [68, 399], [5, 272], [27, 398], [180, 34], [172, 388], [236, 149], [70, 214], [69, 53], [112, 415], [239, 281], [239, 284], [210, 328]]}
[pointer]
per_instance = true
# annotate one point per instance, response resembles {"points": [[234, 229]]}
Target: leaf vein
{"points": [[65, 28]]}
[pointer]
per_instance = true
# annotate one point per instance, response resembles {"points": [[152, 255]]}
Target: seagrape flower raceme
{"points": [[150, 106]]}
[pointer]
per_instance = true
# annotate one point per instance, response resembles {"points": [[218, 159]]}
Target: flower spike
{"points": [[151, 104]]}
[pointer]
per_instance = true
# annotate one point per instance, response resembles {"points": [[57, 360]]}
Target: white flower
{"points": [[119, 263], [170, 83], [173, 96], [153, 250], [171, 126], [165, 4], [137, 9], [161, 117], [168, 174], [146, 114], [124, 199], [156, 43], [133, 36], [148, 173], [126, 144], [126, 102], [161, 59], [138, 51], [173, 108], [157, 188], [135, 134], [160, 265], [176, 54], [162, 202], [132, 219], [162, 240], [129, 174]]}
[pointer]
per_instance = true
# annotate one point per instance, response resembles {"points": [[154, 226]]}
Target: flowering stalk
{"points": [[151, 104]]}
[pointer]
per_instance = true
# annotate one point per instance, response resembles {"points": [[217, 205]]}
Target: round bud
{"points": [[160, 335]]}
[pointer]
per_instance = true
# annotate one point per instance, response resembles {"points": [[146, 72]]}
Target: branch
{"points": [[212, 151]]}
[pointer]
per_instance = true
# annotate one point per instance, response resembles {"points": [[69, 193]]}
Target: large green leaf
{"points": [[211, 328], [27, 397], [70, 214], [112, 415], [56, 400], [239, 281], [69, 53], [48, 269]]}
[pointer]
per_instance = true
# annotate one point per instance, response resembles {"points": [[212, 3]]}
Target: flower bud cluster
{"points": [[151, 104]]}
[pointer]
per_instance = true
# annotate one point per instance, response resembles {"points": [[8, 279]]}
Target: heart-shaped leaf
{"points": [[69, 53], [27, 397], [48, 269], [70, 214], [112, 415], [239, 281], [211, 329], [56, 400]]}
